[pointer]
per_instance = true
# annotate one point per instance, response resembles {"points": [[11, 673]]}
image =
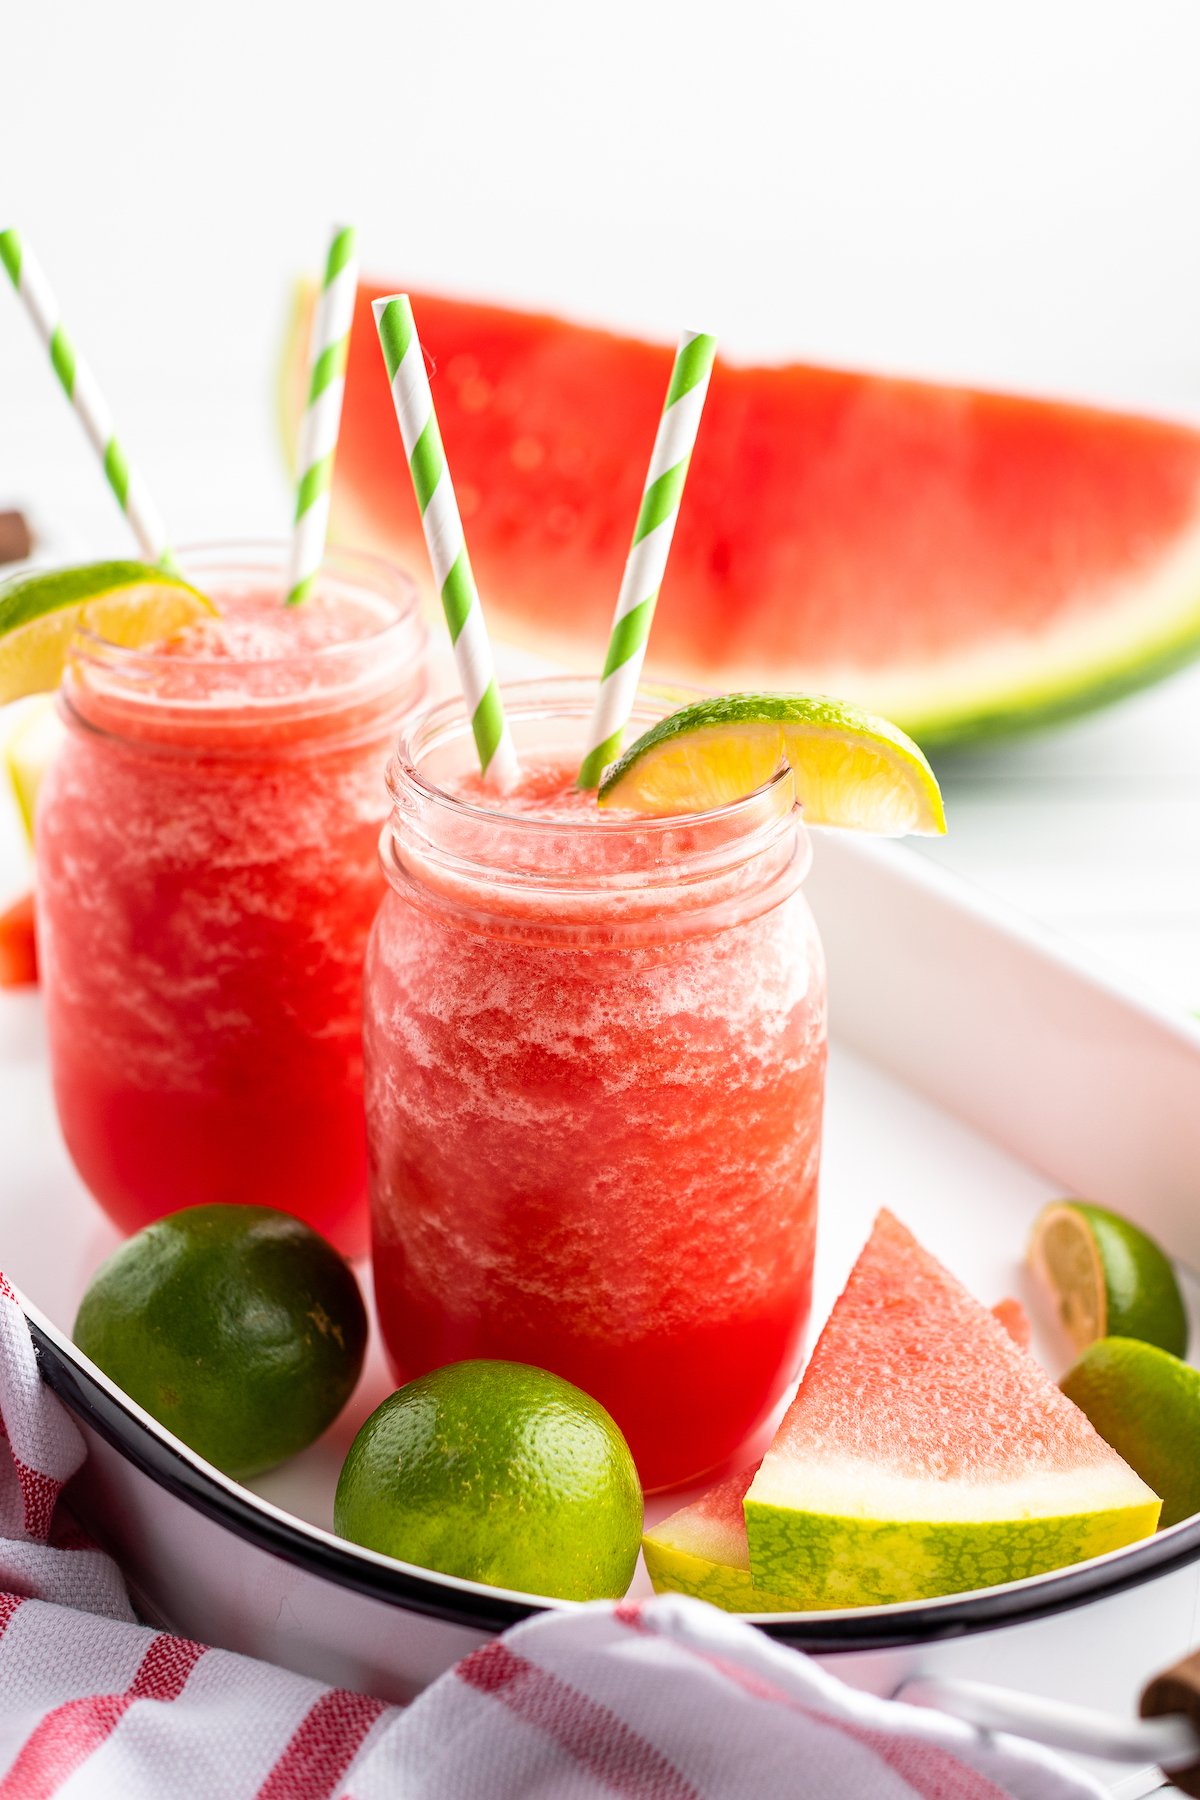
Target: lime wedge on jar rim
{"points": [[126, 603], [851, 769]]}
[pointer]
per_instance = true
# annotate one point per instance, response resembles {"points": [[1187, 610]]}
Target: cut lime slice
{"points": [[30, 748], [850, 768], [126, 603], [1106, 1277]]}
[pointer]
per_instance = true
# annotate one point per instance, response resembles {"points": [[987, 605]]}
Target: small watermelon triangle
{"points": [[926, 1453], [702, 1549]]}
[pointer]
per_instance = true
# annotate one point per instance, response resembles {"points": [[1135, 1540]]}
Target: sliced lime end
{"points": [[28, 753], [851, 769]]}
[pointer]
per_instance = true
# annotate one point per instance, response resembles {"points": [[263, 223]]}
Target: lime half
{"points": [[1146, 1404], [1106, 1277], [126, 603], [850, 768]]}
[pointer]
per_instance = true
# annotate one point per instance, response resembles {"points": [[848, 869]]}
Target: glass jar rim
{"points": [[464, 843], [529, 698], [249, 555]]}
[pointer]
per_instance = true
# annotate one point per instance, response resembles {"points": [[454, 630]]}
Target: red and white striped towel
{"points": [[662, 1700]]}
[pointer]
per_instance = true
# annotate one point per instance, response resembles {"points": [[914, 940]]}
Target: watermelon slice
{"points": [[702, 1548], [961, 562], [926, 1452]]}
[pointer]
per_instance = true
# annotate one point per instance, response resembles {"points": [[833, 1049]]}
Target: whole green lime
{"points": [[238, 1327], [497, 1472]]}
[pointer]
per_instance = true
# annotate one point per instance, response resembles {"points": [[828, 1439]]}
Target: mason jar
{"points": [[595, 1054], [207, 875]]}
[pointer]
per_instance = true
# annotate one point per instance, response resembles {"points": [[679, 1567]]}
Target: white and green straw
{"points": [[323, 414], [80, 387], [413, 400], [647, 559]]}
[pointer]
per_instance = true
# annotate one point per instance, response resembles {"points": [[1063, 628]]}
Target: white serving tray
{"points": [[978, 1068]]}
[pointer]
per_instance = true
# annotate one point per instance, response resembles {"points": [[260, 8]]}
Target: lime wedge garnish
{"points": [[850, 768], [1106, 1277], [126, 603], [28, 752]]}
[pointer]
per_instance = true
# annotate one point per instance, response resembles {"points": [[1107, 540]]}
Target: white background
{"points": [[1005, 194]]}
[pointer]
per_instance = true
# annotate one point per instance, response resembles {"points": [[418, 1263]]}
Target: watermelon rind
{"points": [[701, 1550], [849, 1558], [674, 1571]]}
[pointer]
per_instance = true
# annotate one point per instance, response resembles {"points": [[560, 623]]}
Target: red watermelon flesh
{"points": [[962, 561]]}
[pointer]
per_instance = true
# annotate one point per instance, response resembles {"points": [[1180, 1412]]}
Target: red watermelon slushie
{"points": [[595, 1049], [207, 875]]}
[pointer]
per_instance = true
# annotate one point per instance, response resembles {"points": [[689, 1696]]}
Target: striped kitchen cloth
{"points": [[665, 1699]]}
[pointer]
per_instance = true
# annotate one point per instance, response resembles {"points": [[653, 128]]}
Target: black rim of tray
{"points": [[245, 1515]]}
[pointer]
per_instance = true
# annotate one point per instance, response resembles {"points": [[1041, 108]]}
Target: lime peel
{"points": [[496, 1472], [1146, 1404], [850, 768]]}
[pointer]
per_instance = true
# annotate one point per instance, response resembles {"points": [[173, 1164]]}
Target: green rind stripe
{"points": [[427, 462], [692, 364], [313, 483], [459, 594], [487, 725], [396, 329], [661, 499], [10, 255], [674, 1571], [62, 359], [842, 1561], [629, 635], [597, 760], [329, 367], [117, 470], [340, 253]]}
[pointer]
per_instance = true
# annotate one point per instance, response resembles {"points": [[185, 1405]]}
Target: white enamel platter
{"points": [[978, 1068]]}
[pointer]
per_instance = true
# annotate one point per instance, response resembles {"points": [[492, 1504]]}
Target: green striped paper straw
{"points": [[647, 559], [319, 432], [413, 400], [80, 387]]}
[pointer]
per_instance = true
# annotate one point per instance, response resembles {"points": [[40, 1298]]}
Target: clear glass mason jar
{"points": [[595, 1052], [207, 875]]}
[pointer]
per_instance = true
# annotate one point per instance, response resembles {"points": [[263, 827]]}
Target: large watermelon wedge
{"points": [[962, 562], [702, 1548], [927, 1453]]}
